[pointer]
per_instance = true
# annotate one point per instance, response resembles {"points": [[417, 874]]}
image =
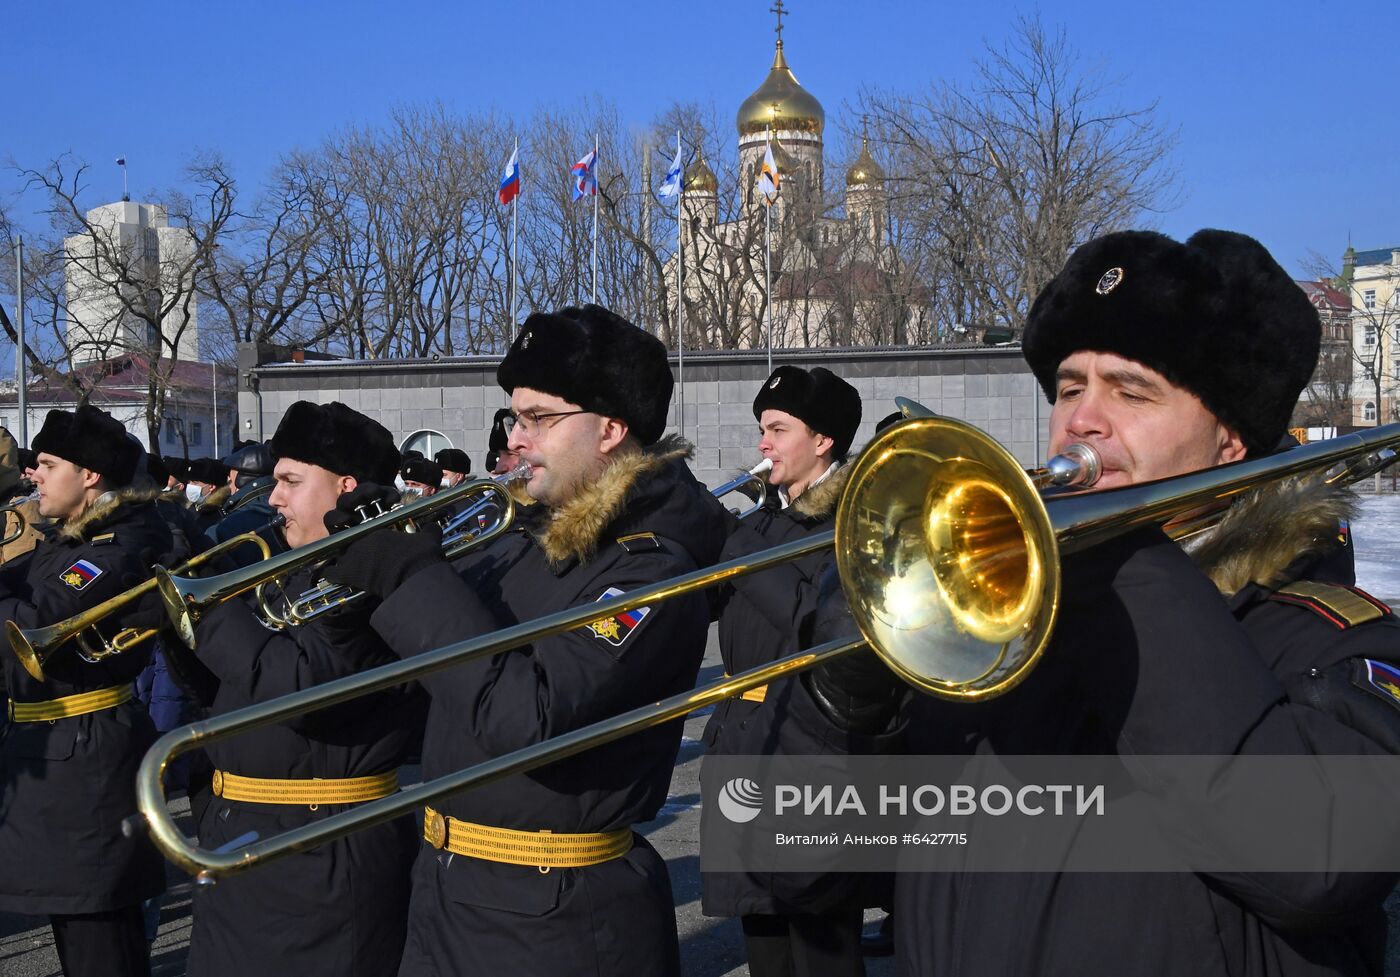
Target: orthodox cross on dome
{"points": [[778, 9]]}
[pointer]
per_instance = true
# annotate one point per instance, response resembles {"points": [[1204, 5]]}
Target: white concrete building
{"points": [[120, 278]]}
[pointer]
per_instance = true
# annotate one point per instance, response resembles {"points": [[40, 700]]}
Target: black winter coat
{"points": [[66, 785], [339, 909], [617, 917], [1149, 659]]}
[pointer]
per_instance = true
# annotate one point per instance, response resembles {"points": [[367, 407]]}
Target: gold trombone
{"points": [[949, 558], [186, 598], [35, 646]]}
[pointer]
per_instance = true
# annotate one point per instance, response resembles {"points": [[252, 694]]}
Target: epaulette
{"points": [[639, 543], [102, 539], [1344, 607]]}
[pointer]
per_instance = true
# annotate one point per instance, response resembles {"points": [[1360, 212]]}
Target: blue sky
{"points": [[1286, 110]]}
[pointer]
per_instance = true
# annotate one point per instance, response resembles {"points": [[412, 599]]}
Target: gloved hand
{"points": [[365, 501], [380, 562], [856, 691]]}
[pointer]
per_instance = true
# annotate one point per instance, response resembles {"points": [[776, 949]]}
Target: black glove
{"points": [[381, 561], [366, 501], [855, 691]]}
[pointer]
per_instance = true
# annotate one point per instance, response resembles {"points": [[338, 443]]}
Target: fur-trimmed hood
{"points": [[215, 500], [574, 530], [1271, 530], [818, 503], [107, 508]]}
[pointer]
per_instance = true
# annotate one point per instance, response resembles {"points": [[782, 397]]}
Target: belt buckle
{"points": [[435, 829], [217, 785]]}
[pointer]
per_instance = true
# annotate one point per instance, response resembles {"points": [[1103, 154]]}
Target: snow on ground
{"points": [[1377, 536]]}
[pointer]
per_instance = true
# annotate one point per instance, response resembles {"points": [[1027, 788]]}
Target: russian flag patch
{"points": [[80, 574], [1385, 677], [614, 630]]}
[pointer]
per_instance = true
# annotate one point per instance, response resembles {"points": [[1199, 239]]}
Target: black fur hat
{"points": [[498, 437], [93, 439], [454, 460], [209, 471], [819, 398], [421, 470], [596, 359], [155, 467], [338, 439], [1216, 316], [178, 467]]}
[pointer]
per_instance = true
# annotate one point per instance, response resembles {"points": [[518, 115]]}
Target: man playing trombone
{"points": [[75, 739], [1246, 640], [337, 910], [543, 874]]}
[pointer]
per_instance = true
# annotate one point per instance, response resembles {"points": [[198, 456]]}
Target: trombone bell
{"points": [[948, 558]]}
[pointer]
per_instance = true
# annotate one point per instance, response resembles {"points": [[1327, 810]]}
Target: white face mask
{"points": [[193, 493]]}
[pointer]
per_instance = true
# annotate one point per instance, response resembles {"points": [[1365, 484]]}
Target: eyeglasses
{"points": [[529, 421]]}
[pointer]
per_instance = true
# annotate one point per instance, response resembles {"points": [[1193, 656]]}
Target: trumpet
{"points": [[753, 480], [186, 598], [35, 646], [949, 557]]}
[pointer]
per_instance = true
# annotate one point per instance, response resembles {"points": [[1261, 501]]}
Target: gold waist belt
{"points": [[757, 694], [70, 705], [543, 849], [348, 790]]}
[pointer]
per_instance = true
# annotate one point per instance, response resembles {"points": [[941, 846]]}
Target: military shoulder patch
{"points": [[639, 543], [615, 630], [1343, 607], [1381, 678], [102, 539], [80, 574]]}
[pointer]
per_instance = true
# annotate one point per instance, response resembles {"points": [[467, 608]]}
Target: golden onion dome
{"points": [[865, 171], [780, 100], [699, 178]]}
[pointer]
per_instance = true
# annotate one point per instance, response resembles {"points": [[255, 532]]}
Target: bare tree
{"points": [[99, 294], [1000, 180]]}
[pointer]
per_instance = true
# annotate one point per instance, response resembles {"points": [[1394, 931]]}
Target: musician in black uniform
{"points": [[794, 924], [456, 465], [421, 477], [542, 873], [74, 741], [1247, 640], [339, 909]]}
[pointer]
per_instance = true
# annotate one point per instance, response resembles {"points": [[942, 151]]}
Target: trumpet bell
{"points": [[948, 558], [24, 650]]}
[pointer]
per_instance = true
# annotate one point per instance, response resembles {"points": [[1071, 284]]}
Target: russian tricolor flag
{"points": [[510, 179], [586, 175]]}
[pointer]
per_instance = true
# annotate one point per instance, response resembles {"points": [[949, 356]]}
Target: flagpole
{"points": [[680, 284], [514, 237], [594, 296], [767, 266]]}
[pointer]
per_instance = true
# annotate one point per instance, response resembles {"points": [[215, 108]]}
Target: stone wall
{"points": [[990, 388]]}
